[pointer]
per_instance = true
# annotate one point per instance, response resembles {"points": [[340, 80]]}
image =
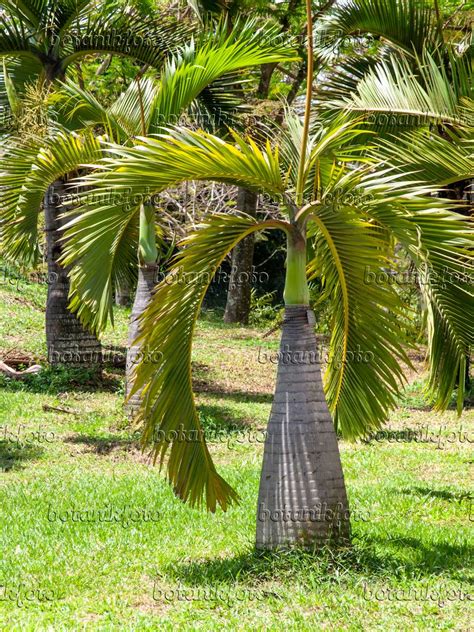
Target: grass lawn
{"points": [[92, 537]]}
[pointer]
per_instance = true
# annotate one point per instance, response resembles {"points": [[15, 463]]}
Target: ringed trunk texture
{"points": [[237, 309], [145, 288], [67, 340], [302, 498]]}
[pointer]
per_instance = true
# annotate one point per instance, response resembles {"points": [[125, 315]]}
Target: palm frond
{"points": [[200, 79], [168, 415], [23, 73], [79, 109], [207, 68], [88, 280], [329, 148], [133, 109], [440, 243], [401, 92], [432, 158], [15, 39], [449, 298], [18, 242], [68, 11], [30, 11], [124, 33], [27, 172], [363, 376], [336, 87], [157, 163], [408, 25]]}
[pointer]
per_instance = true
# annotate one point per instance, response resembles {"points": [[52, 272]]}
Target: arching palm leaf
{"points": [[366, 348], [199, 66], [168, 415], [127, 33], [27, 172], [399, 92], [432, 158], [440, 243], [31, 11], [14, 40], [405, 24], [201, 71]]}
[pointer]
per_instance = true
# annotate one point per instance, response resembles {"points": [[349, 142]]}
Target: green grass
{"points": [[174, 567]]}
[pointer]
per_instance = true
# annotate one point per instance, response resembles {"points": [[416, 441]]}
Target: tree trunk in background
{"points": [[145, 287], [237, 308], [122, 294], [302, 498], [68, 341], [266, 73]]}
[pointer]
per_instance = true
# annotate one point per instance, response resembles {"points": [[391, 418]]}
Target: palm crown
{"points": [[47, 36]]}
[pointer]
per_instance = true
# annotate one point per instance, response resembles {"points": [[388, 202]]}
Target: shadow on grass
{"points": [[217, 391], [368, 558], [202, 383], [13, 455], [443, 494], [218, 421], [216, 424], [104, 445], [53, 380]]}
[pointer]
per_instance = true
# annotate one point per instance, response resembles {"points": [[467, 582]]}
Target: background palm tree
{"points": [[196, 82], [43, 39], [417, 77], [147, 107]]}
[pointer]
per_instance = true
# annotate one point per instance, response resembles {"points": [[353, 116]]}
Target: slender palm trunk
{"points": [[122, 293], [302, 498], [67, 340], [237, 308], [147, 256], [145, 287]]}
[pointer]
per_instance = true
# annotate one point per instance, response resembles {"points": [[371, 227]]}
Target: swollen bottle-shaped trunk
{"points": [[67, 340], [302, 498]]}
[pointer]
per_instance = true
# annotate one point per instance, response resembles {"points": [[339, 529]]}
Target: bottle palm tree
{"points": [[195, 82], [43, 39], [339, 221]]}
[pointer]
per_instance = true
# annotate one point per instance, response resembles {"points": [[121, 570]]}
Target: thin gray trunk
{"points": [[237, 308], [145, 288], [67, 340], [266, 73], [302, 498], [122, 293]]}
